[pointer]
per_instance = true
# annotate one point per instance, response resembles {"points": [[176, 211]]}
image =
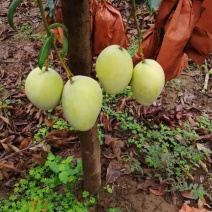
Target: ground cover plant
{"points": [[169, 153], [164, 150], [37, 191]]}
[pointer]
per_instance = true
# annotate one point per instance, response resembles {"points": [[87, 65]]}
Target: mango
{"points": [[147, 81], [44, 88], [82, 102], [114, 69]]}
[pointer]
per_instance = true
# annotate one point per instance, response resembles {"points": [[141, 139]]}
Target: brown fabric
{"points": [[205, 21], [187, 208], [108, 27], [178, 30], [200, 44], [175, 35]]}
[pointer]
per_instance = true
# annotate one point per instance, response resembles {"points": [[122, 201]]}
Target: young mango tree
{"points": [[81, 96], [76, 17]]}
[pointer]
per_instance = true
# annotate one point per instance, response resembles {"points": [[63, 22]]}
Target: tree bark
{"points": [[76, 17]]}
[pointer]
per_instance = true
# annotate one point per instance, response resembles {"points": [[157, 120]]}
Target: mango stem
{"points": [[46, 26], [140, 35]]}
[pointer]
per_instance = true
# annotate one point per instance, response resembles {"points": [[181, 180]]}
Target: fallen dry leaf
{"points": [[6, 120], [146, 184], [1, 175], [201, 203], [174, 197], [207, 137], [206, 150], [187, 208], [105, 120], [61, 138], [110, 141], [204, 166], [24, 143], [14, 148], [8, 139], [113, 172], [8, 166], [115, 145], [158, 189], [187, 194]]}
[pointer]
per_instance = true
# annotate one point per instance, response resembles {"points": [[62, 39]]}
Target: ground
{"points": [[183, 98]]}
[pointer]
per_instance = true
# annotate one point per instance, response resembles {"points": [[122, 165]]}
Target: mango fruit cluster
{"points": [[82, 97]]}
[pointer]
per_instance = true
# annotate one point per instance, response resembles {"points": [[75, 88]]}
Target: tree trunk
{"points": [[76, 17]]}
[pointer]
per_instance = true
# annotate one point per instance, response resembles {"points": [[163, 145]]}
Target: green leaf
{"points": [[50, 156], [44, 52], [71, 172], [11, 11], [65, 46], [79, 168], [85, 194], [68, 159], [55, 25], [109, 190], [153, 4], [54, 167], [63, 176], [114, 210], [62, 167]]}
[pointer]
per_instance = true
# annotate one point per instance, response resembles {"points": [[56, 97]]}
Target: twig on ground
{"points": [[207, 79], [205, 87], [16, 153]]}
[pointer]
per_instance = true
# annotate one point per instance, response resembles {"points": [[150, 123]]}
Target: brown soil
{"points": [[128, 197]]}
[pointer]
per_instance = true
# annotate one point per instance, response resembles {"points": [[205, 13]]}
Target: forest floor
{"points": [[183, 101]]}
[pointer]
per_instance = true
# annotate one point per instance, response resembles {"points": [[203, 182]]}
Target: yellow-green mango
{"points": [[82, 102], [114, 69], [44, 88], [147, 81]]}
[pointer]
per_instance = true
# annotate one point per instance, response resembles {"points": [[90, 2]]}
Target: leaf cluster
{"points": [[39, 191]]}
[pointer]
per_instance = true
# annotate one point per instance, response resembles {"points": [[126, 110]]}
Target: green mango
{"points": [[82, 102], [44, 88], [114, 69], [147, 81]]}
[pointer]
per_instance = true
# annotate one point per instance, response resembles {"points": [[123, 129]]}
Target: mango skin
{"points": [[82, 102], [44, 88], [114, 69], [147, 81]]}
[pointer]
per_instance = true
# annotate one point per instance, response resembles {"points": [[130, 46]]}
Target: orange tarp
{"points": [[182, 29], [107, 25]]}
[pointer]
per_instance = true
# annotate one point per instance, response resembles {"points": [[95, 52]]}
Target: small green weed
{"points": [[114, 210], [7, 101], [27, 33], [61, 124], [19, 101], [100, 133], [42, 132], [66, 173], [37, 36], [175, 84], [26, 28], [204, 123], [133, 46], [108, 188], [170, 152], [37, 192]]}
